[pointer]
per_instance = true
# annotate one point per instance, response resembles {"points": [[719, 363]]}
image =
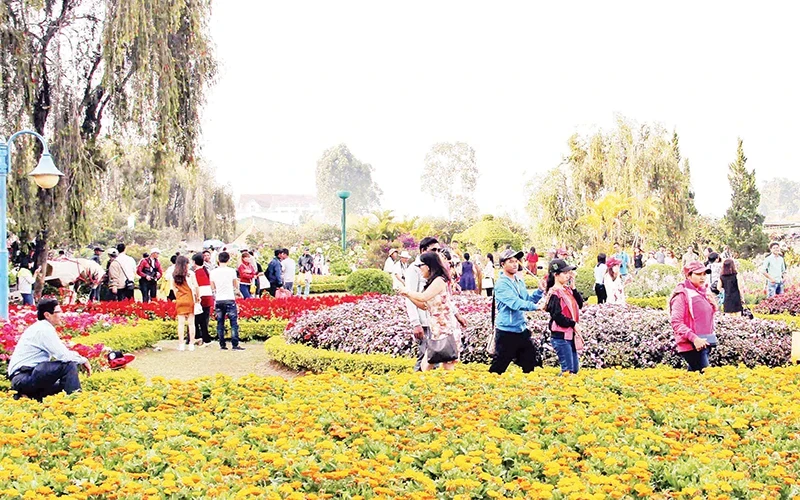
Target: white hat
{"points": [[392, 250], [319, 249], [112, 251], [154, 250], [405, 255]]}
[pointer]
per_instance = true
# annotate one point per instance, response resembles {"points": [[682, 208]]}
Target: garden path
{"points": [[206, 361]]}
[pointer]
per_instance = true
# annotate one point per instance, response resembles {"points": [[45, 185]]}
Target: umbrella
{"points": [[213, 244]]}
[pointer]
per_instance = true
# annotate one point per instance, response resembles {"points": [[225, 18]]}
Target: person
{"points": [[692, 315], [275, 272], [184, 285], [623, 258], [116, 277], [225, 286], [306, 266], [715, 264], [661, 255], [319, 261], [726, 253], [97, 253], [774, 269], [512, 336], [689, 256], [615, 286], [399, 270], [168, 275], [288, 270], [729, 285], [149, 272], [638, 259], [106, 293], [467, 280], [651, 259], [532, 258], [563, 305], [41, 365], [247, 273], [487, 283], [206, 299], [599, 278], [208, 261], [706, 253], [25, 281], [671, 260], [437, 298], [418, 316], [390, 260], [128, 266], [94, 294]]}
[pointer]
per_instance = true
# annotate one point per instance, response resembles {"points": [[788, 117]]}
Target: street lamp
{"points": [[45, 175], [343, 195]]}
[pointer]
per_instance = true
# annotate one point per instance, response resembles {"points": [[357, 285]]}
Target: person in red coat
{"points": [[149, 272], [206, 299]]}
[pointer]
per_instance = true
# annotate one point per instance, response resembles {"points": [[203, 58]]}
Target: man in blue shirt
{"points": [[622, 256], [512, 337]]}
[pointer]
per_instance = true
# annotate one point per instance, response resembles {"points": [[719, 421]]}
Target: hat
{"points": [[98, 249], [117, 360], [695, 266], [558, 266], [392, 250], [405, 255], [154, 250], [319, 249], [561, 251], [510, 254], [613, 262], [113, 251]]}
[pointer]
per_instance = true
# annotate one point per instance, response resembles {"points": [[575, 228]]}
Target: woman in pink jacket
{"points": [[692, 316]]}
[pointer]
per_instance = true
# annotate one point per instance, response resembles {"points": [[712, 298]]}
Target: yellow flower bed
{"points": [[658, 433]]}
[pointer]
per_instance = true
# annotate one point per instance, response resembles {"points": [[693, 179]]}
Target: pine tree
{"points": [[742, 220]]}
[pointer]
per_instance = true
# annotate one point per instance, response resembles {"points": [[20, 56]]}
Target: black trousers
{"points": [[201, 325], [516, 347], [600, 291], [148, 289], [46, 379]]}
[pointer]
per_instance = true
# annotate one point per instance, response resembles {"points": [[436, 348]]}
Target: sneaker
{"points": [[191, 347], [181, 346], [224, 348], [238, 348]]}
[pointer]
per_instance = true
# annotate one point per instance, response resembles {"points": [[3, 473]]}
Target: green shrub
{"points": [[531, 282], [743, 265], [322, 284], [248, 330], [125, 338], [304, 358], [369, 281], [648, 302], [489, 235], [584, 281], [112, 379], [792, 321]]}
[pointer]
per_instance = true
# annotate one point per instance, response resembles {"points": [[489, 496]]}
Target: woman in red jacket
{"points": [[692, 316], [206, 299], [247, 273]]}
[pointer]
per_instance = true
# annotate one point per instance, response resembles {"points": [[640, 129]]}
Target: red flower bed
{"points": [[785, 303]]}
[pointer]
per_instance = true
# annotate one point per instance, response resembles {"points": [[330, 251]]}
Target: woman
{"points": [[638, 259], [671, 260], [651, 259], [206, 299], [436, 298], [467, 280], [533, 261], [692, 316], [184, 285], [729, 284], [564, 304], [615, 289], [247, 273], [25, 281], [599, 279], [488, 275]]}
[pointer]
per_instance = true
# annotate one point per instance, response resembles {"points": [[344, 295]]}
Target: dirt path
{"points": [[206, 361]]}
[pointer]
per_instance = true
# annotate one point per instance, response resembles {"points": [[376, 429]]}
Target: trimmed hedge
{"points": [[584, 281], [790, 319], [369, 281], [103, 381], [322, 284], [248, 330], [304, 358], [648, 302]]}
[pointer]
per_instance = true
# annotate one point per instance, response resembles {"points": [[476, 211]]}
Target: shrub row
{"points": [[369, 281], [304, 358], [785, 303]]}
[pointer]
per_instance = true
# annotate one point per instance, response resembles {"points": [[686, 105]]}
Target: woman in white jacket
{"points": [[613, 282]]}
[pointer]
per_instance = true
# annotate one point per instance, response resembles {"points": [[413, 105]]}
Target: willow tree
{"points": [[78, 71]]}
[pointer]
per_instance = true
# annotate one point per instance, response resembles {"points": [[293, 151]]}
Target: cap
{"points": [[695, 267], [561, 251], [558, 266], [392, 250], [117, 360], [508, 254], [113, 251], [405, 255], [154, 250], [613, 262]]}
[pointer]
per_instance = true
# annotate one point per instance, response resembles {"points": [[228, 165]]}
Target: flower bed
{"points": [[785, 303], [732, 433], [623, 336]]}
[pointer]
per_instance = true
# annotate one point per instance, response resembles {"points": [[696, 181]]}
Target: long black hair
{"points": [[434, 263]]}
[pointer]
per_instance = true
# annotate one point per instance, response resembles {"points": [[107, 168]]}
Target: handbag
{"points": [[747, 313], [443, 350], [198, 308], [710, 338], [129, 284]]}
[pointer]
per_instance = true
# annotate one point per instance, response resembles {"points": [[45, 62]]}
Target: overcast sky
{"points": [[512, 79]]}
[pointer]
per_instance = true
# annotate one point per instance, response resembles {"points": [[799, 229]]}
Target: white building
{"points": [[284, 208]]}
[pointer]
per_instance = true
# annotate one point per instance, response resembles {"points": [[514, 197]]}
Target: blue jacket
{"points": [[275, 272], [512, 299]]}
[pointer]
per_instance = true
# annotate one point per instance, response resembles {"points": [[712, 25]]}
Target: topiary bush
{"points": [[584, 281], [369, 281]]}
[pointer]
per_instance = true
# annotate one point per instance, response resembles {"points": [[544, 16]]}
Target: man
{"points": [[399, 271], [116, 276], [512, 337], [419, 317], [128, 264], [689, 256], [288, 269], [208, 261], [319, 262], [30, 369], [94, 294], [275, 272], [388, 266], [306, 266], [149, 272], [622, 256], [661, 255], [225, 286], [774, 268], [97, 253]]}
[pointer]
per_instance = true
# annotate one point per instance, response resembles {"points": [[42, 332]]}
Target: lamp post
{"points": [[46, 175], [344, 195]]}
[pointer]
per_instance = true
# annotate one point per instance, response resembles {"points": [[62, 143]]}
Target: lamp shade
{"points": [[343, 194], [46, 175]]}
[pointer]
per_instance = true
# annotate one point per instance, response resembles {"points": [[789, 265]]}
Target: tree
{"points": [[451, 175], [339, 170], [780, 199], [743, 221], [553, 207], [489, 235]]}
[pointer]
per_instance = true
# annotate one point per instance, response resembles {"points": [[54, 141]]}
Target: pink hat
{"points": [[695, 267], [613, 262]]}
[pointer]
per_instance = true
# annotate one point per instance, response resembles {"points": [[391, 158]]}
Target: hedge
{"points": [[303, 358], [369, 281], [322, 284], [789, 319], [248, 330], [103, 381]]}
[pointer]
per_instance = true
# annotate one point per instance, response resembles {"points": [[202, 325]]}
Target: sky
{"points": [[513, 79]]}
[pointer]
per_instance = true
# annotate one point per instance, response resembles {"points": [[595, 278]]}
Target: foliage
{"points": [[126, 338], [305, 358], [790, 319], [378, 225], [489, 235], [730, 433], [323, 284], [113, 380], [451, 175], [369, 281], [657, 302], [259, 329], [744, 222], [554, 207], [584, 281], [785, 303], [780, 199], [337, 170], [654, 280]]}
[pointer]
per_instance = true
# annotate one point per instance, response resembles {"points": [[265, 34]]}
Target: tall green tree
{"points": [[339, 170], [744, 223], [554, 208], [780, 199], [451, 175]]}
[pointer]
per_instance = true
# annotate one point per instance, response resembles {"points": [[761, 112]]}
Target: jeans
{"points": [[307, 289], [774, 289], [422, 346], [289, 285], [27, 299], [567, 354], [697, 360], [227, 308], [46, 379], [600, 291], [201, 325], [245, 289], [516, 347], [148, 288]]}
